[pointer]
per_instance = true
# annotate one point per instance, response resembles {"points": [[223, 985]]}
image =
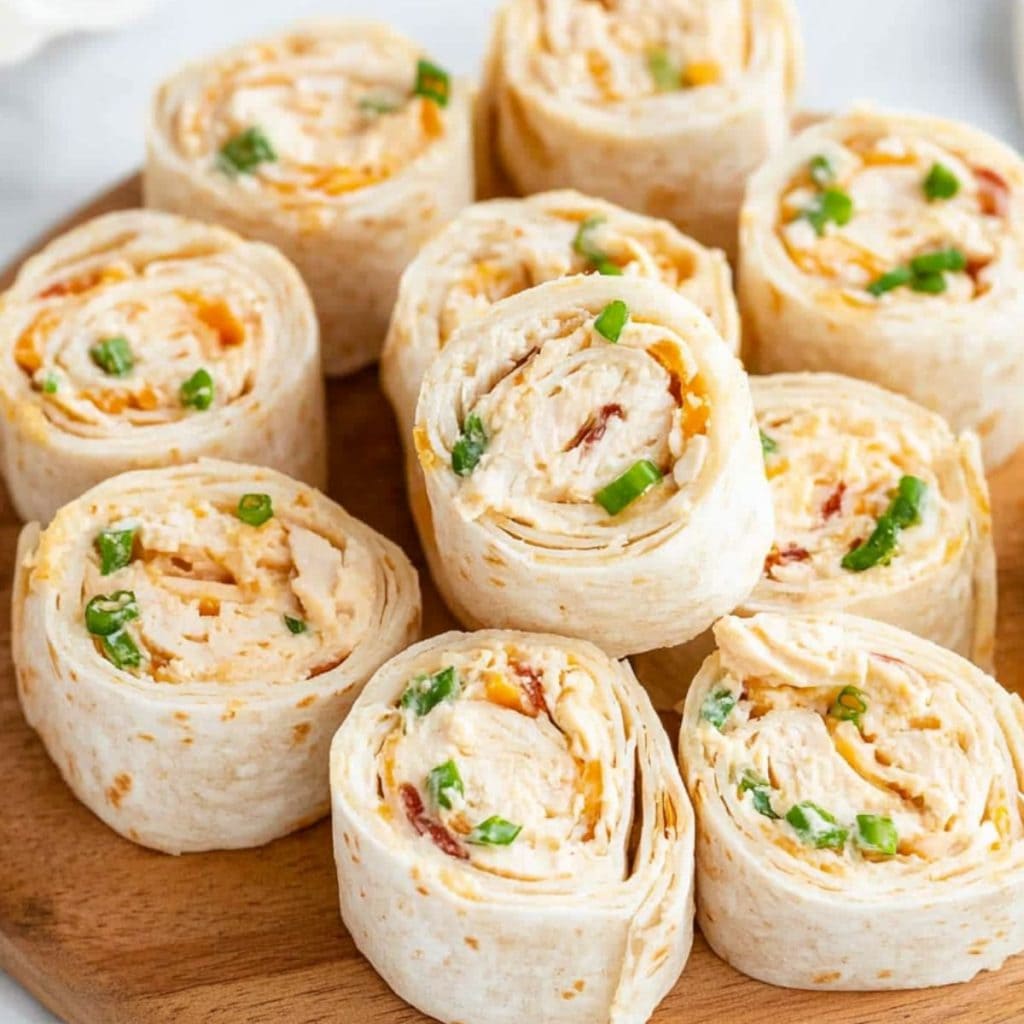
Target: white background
{"points": [[70, 117]]}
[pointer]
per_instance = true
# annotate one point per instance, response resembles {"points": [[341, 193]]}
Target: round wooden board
{"points": [[105, 932]]}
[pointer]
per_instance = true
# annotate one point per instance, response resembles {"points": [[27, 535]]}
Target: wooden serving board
{"points": [[105, 932]]}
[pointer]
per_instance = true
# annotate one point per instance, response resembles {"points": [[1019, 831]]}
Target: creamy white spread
{"points": [[576, 411], [894, 219], [536, 742], [503, 257], [338, 111], [177, 312], [213, 592], [832, 472], [599, 52], [926, 754]]}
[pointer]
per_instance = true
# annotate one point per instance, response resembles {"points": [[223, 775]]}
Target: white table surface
{"points": [[70, 117]]}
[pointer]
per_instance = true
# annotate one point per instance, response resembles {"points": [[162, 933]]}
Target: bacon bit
{"points": [[416, 813], [216, 314], [854, 544], [793, 553], [594, 429], [533, 688], [834, 502], [993, 192]]}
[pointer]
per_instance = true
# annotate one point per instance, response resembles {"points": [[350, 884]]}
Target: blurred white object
{"points": [[25, 25]]}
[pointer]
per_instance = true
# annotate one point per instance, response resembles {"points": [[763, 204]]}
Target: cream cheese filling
{"points": [[214, 593], [599, 52], [536, 743], [894, 219], [339, 113]]}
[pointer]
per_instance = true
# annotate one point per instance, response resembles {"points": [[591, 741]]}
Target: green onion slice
{"points": [[850, 705], [876, 834], [636, 481], [121, 650], [822, 171], [470, 447], [197, 391], [941, 183], [255, 509], [611, 320], [760, 793], [113, 356], [377, 105], [717, 706], [831, 206], [441, 781], [890, 281], [424, 693], [929, 284], [114, 548], [583, 244], [936, 262], [295, 626], [243, 153], [50, 384], [494, 831], [768, 444], [816, 827], [107, 614], [432, 83], [904, 511], [664, 70]]}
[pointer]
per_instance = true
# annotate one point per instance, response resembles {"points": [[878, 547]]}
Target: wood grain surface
{"points": [[104, 932]]}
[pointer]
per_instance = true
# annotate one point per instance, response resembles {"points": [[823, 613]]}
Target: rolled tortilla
{"points": [[512, 838], [895, 769], [845, 235], [664, 107], [499, 248], [203, 719], [572, 477], [140, 339], [335, 141], [835, 451], [496, 249]]}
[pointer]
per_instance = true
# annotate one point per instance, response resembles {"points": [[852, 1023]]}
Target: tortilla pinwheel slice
{"points": [[593, 466], [140, 339], [187, 641], [662, 106], [858, 801], [859, 808], [512, 837], [496, 249], [338, 141], [879, 511], [888, 247]]}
